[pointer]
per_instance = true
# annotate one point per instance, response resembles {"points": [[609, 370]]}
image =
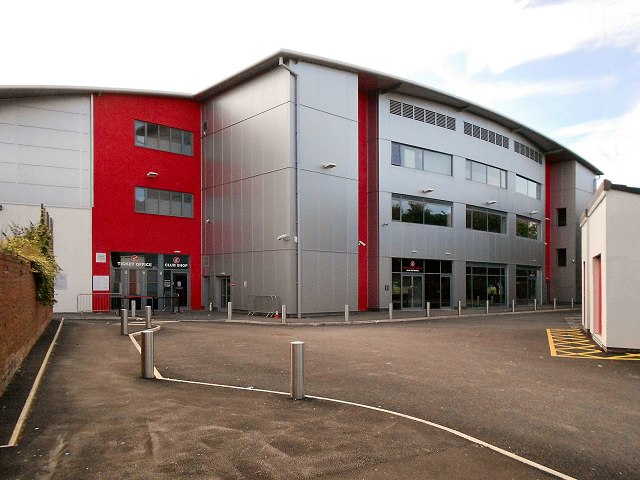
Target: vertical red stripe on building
{"points": [[363, 210]]}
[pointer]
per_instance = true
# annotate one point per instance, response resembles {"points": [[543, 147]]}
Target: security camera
{"points": [[361, 243]]}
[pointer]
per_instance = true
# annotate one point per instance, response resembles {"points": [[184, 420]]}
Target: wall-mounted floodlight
{"points": [[492, 202], [361, 243], [414, 251], [533, 212], [385, 224], [207, 221], [427, 190], [152, 174], [329, 165], [447, 253], [284, 237]]}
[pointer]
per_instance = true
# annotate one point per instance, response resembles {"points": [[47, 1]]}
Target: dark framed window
{"points": [[528, 187], [482, 173], [409, 209], [527, 228], [561, 254], [486, 220], [160, 137], [421, 159], [163, 202], [561, 215]]}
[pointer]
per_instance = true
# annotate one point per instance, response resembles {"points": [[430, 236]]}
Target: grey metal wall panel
{"points": [[328, 90], [54, 135]]}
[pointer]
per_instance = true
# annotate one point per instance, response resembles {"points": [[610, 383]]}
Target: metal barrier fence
{"points": [[264, 305], [114, 302]]}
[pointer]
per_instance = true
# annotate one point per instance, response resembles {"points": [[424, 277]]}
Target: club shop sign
{"points": [[176, 261]]}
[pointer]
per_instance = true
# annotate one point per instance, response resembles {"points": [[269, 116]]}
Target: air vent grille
{"points": [[486, 135], [419, 114], [527, 152]]}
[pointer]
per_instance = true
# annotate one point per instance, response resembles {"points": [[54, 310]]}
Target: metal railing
{"points": [[103, 302], [264, 305]]}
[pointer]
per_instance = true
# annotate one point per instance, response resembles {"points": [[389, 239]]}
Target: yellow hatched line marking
{"points": [[573, 343]]}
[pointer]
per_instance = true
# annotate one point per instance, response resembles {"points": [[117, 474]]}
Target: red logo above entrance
{"points": [[134, 258], [176, 259]]}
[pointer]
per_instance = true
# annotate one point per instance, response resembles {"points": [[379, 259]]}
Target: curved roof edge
{"points": [[553, 150], [21, 91]]}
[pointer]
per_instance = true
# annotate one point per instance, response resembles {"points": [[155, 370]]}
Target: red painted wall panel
{"points": [[120, 166]]}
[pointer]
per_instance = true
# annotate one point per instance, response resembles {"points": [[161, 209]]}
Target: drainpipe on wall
{"points": [[297, 183]]}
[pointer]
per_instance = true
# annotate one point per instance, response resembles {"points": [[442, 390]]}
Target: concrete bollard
{"points": [[346, 313], [535, 304], [554, 303], [147, 315], [428, 309], [297, 370], [133, 309], [513, 306], [146, 354], [487, 307], [284, 314], [391, 311], [124, 322], [229, 310], [459, 307]]}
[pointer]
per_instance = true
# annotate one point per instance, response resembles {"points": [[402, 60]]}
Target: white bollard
{"points": [[428, 309], [459, 307], [147, 315], [297, 371], [391, 311], [133, 309], [535, 304], [124, 322], [229, 310], [554, 303], [146, 354], [284, 314], [572, 304], [487, 307], [513, 306], [346, 313]]}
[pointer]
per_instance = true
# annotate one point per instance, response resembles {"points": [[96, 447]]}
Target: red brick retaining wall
{"points": [[22, 318]]}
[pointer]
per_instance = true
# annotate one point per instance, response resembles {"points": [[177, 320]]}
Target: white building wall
{"points": [[45, 158], [594, 232]]}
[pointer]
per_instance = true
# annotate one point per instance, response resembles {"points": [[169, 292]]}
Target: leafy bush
{"points": [[34, 244]]}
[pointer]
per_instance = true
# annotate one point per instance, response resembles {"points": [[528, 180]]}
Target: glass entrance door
{"points": [[180, 288], [225, 291], [412, 292]]}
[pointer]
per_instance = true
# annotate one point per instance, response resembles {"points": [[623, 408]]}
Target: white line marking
{"points": [[391, 412], [156, 373], [36, 383]]}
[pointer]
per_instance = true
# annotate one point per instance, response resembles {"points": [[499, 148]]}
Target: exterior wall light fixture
{"points": [[329, 165], [492, 202], [284, 237], [361, 243], [427, 190], [152, 174], [533, 212]]}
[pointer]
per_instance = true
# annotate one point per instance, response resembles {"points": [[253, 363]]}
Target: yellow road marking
{"points": [[574, 343]]}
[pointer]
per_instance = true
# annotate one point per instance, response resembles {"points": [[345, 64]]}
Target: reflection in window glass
{"points": [[406, 208], [420, 159], [140, 198], [151, 205], [164, 202], [412, 211], [527, 228], [486, 220], [166, 139], [140, 133], [478, 172], [521, 185], [528, 187]]}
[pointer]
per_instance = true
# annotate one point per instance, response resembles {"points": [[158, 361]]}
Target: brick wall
{"points": [[22, 318]]}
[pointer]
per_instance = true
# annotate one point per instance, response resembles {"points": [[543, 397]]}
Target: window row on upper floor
{"points": [[160, 137], [438, 162], [411, 209]]}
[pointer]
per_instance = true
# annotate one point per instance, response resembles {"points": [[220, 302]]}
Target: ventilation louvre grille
{"points": [[528, 152], [486, 135], [420, 114]]}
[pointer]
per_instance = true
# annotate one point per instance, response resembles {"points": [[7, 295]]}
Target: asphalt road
{"points": [[489, 377]]}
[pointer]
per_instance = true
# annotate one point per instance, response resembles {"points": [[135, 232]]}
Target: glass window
{"points": [[420, 159], [176, 204], [437, 214], [528, 187], [411, 157], [521, 185], [527, 228], [151, 205], [495, 223], [480, 220], [395, 154], [562, 257], [486, 220], [164, 199], [166, 139], [561, 215], [395, 207], [437, 162], [140, 198], [468, 169], [187, 205], [479, 172], [412, 211], [163, 202], [493, 176]]}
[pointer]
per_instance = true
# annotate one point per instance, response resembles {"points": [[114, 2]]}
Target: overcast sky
{"points": [[568, 69]]}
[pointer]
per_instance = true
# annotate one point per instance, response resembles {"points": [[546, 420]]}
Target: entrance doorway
{"points": [[437, 290], [181, 288], [412, 292], [225, 291]]}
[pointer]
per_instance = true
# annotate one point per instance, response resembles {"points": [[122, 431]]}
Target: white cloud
{"points": [[609, 144]]}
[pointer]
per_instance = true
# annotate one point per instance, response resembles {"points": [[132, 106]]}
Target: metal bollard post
{"points": [[572, 304], [513, 306], [554, 303], [124, 322], [147, 315], [459, 307], [487, 307], [284, 314], [133, 309], [146, 354], [211, 306], [297, 370], [535, 304], [391, 311], [428, 309], [478, 300], [229, 310], [346, 313]]}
